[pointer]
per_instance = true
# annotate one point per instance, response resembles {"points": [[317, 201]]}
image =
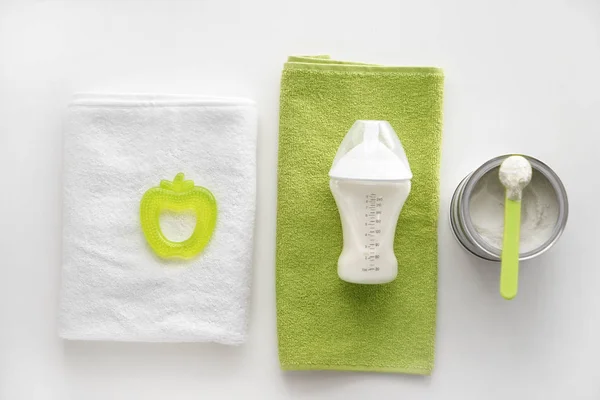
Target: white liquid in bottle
{"points": [[370, 181]]}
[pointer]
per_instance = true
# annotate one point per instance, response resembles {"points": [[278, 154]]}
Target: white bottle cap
{"points": [[371, 150]]}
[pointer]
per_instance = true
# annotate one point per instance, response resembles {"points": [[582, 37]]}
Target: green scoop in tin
{"points": [[515, 174]]}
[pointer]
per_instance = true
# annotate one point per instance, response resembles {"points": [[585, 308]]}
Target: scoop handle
{"points": [[509, 273]]}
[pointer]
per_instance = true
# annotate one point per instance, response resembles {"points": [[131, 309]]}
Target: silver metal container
{"points": [[460, 217]]}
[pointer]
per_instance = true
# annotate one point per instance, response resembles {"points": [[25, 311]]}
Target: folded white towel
{"points": [[114, 287]]}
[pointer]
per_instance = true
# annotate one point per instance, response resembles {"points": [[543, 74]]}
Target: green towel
{"points": [[324, 322]]}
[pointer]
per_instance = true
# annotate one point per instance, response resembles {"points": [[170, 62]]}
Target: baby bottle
{"points": [[370, 180]]}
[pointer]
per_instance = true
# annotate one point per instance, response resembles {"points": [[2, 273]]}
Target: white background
{"points": [[521, 76]]}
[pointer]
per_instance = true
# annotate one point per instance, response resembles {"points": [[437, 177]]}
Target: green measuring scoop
{"points": [[515, 173]]}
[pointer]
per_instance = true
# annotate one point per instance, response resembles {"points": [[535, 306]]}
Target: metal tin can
{"points": [[460, 218]]}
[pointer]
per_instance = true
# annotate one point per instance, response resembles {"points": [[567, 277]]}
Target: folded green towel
{"points": [[324, 322]]}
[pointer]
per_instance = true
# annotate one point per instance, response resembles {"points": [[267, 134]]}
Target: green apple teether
{"points": [[178, 195]]}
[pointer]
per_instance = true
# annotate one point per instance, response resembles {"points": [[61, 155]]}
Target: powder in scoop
{"points": [[539, 211], [515, 174]]}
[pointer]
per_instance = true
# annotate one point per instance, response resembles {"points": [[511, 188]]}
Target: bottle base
{"points": [[367, 280]]}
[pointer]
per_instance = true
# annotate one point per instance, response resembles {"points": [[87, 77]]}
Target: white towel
{"points": [[113, 286]]}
